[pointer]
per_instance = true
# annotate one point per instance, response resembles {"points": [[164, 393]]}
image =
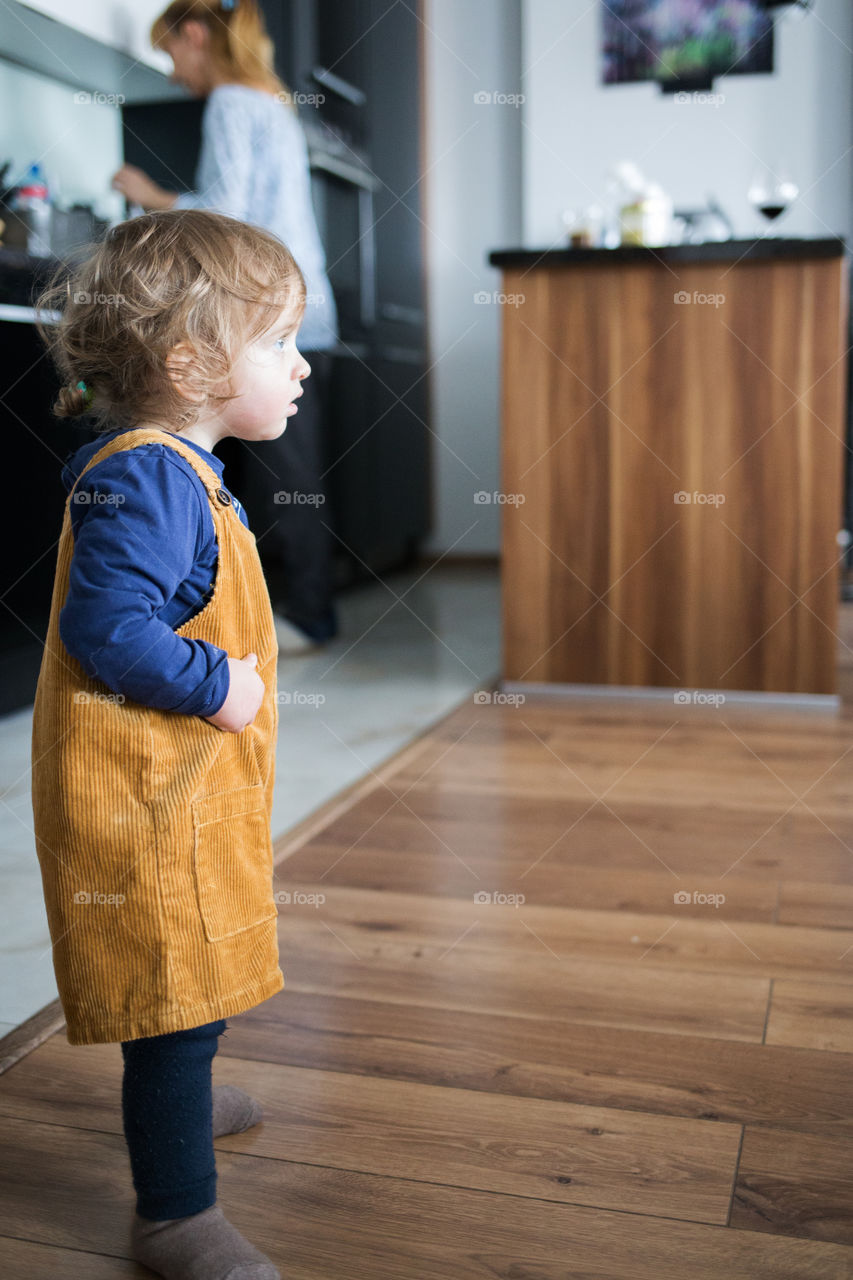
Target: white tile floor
{"points": [[409, 650]]}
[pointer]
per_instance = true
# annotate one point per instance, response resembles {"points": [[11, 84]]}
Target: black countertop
{"points": [[712, 251]]}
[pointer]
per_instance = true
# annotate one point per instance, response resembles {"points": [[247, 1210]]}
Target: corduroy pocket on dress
{"points": [[232, 861]]}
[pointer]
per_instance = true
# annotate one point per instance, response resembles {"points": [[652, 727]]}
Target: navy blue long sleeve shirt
{"points": [[144, 562]]}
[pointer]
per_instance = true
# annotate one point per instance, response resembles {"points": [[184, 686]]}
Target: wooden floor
{"points": [[597, 1081]]}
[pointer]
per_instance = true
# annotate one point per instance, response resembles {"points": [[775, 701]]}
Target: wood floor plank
{"points": [[811, 1016], [796, 1185], [594, 1065], [656, 1073], [628, 1160], [707, 841], [676, 764], [723, 1006], [24, 1258], [671, 941], [595, 1156], [440, 873], [316, 1223], [827, 906]]}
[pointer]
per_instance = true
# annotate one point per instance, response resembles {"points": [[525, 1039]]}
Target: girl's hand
{"points": [[138, 188], [245, 695]]}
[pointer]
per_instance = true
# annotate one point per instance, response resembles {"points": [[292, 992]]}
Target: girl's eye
{"points": [[280, 344]]}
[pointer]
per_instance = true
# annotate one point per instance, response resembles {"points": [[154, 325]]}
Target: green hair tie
{"points": [[88, 394]]}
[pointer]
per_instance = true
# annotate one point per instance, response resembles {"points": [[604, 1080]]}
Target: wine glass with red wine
{"points": [[772, 193]]}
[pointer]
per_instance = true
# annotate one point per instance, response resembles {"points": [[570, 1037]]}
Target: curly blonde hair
{"points": [[177, 275]]}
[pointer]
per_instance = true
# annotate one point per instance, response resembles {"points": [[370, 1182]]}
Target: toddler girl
{"points": [[155, 715]]}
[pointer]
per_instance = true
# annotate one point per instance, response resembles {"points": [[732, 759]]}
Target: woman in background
{"points": [[254, 166]]}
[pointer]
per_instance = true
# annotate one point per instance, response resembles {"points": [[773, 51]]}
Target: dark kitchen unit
{"points": [[364, 144], [356, 66], [37, 444]]}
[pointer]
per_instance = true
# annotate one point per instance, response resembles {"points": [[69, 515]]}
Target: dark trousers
{"points": [[288, 510], [167, 1111]]}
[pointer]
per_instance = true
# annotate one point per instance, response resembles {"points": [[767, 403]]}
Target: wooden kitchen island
{"points": [[672, 467]]}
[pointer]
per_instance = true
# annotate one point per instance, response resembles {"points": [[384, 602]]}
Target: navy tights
{"points": [[167, 1111]]}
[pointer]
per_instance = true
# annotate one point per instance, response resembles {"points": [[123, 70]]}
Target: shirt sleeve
{"points": [[224, 169], [138, 527]]}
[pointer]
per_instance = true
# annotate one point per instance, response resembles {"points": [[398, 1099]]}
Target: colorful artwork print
{"points": [[684, 41]]}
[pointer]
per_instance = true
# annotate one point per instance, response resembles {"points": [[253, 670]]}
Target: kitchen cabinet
{"points": [[342, 70], [377, 462], [34, 506], [95, 48], [291, 25], [673, 439], [391, 59], [123, 24], [316, 37]]}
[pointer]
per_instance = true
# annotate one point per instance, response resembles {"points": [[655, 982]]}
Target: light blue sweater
{"points": [[254, 166]]}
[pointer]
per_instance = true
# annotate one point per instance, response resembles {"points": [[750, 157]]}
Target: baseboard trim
{"points": [[826, 702], [30, 1034]]}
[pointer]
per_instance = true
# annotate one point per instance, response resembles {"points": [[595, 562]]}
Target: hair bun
{"points": [[72, 401]]}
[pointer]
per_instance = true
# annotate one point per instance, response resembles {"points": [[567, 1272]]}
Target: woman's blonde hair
{"points": [[177, 275], [240, 48]]}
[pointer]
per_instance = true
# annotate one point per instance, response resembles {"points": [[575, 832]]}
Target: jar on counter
{"points": [[647, 219], [583, 229]]}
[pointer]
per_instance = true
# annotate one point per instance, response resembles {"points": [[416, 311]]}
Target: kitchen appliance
{"points": [[342, 190]]}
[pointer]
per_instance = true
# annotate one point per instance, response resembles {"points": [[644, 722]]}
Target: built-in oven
{"points": [[342, 188]]}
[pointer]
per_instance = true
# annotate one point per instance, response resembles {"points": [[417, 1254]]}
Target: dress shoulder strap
{"points": [[151, 435]]}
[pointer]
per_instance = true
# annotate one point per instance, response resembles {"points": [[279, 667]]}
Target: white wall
{"points": [[472, 190], [78, 144], [574, 128], [122, 23]]}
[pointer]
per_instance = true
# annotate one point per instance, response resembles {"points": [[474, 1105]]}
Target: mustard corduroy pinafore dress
{"points": [[152, 827]]}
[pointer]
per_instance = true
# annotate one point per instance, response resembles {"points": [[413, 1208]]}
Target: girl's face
{"points": [[266, 381]]}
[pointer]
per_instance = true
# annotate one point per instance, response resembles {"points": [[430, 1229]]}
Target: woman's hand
{"points": [[138, 188], [245, 695]]}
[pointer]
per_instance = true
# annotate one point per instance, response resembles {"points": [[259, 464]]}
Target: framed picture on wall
{"points": [[684, 43]]}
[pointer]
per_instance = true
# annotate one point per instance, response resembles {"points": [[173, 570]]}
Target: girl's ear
{"points": [[182, 369]]}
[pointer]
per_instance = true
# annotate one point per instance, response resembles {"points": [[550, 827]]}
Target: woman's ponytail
{"points": [[251, 55]]}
